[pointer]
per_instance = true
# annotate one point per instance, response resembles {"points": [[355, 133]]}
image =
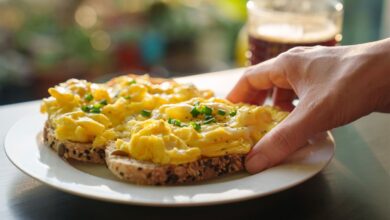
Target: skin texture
{"points": [[335, 86]]}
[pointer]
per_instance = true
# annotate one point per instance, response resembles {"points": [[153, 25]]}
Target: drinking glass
{"points": [[275, 26]]}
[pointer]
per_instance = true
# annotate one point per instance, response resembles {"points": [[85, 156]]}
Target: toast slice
{"points": [[147, 173], [72, 150], [85, 151]]}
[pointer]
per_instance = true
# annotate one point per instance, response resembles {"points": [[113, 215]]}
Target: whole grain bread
{"points": [[72, 150], [147, 173]]}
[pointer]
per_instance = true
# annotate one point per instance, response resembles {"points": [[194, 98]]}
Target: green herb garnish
{"points": [[146, 113], [88, 97], [221, 112], [97, 105], [86, 108], [103, 102], [233, 113], [206, 110], [196, 126], [95, 109], [195, 112], [127, 97], [175, 122], [132, 82]]}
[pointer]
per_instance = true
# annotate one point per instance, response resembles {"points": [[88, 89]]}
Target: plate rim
{"points": [[188, 203]]}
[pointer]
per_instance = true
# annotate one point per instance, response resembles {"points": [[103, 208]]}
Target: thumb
{"points": [[288, 136]]}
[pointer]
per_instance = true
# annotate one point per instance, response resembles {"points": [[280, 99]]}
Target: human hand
{"points": [[335, 86]]}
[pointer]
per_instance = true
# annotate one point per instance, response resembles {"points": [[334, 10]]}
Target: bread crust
{"points": [[72, 150], [147, 173]]}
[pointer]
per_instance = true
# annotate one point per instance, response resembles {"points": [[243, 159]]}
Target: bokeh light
{"points": [[86, 16]]}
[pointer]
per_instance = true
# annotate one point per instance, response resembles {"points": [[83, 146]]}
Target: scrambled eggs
{"points": [[87, 112], [159, 121], [183, 132]]}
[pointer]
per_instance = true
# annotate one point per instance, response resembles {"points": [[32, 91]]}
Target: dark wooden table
{"points": [[355, 185]]}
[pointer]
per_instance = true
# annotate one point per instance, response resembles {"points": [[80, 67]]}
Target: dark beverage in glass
{"points": [[277, 26]]}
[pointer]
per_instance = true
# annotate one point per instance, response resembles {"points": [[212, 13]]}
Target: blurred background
{"points": [[44, 42]]}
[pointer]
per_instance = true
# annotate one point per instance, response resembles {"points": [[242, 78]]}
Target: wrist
{"points": [[382, 49]]}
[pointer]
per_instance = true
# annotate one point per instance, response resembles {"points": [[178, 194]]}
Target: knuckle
{"points": [[285, 60], [294, 53], [318, 47], [289, 63], [250, 70], [297, 50], [285, 57]]}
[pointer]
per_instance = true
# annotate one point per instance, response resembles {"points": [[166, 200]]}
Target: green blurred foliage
{"points": [[362, 21]]}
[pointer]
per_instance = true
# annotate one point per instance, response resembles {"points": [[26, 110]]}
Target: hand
{"points": [[335, 86]]}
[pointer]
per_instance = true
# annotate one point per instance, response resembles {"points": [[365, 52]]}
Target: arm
{"points": [[335, 86]]}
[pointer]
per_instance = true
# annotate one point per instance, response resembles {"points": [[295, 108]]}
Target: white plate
{"points": [[24, 148]]}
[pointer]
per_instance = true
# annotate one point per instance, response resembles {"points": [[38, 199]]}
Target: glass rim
{"points": [[338, 5]]}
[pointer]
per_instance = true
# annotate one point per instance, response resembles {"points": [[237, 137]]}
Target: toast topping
{"points": [[94, 113], [154, 120], [175, 134], [153, 140]]}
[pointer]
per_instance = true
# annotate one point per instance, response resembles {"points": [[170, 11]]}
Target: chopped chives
{"points": [[221, 112], [132, 82], [206, 110], [195, 112], [85, 108], [95, 109], [146, 113], [103, 102], [88, 97], [196, 126], [175, 122], [233, 113], [97, 105]]}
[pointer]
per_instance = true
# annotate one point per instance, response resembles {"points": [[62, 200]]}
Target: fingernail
{"points": [[256, 163]]}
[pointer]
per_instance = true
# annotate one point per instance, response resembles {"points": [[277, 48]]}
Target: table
{"points": [[355, 185]]}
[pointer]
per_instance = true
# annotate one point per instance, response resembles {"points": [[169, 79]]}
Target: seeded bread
{"points": [[147, 173], [72, 150]]}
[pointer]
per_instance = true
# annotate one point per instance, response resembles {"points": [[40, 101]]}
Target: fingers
{"points": [[285, 138], [244, 91], [253, 86], [284, 98]]}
